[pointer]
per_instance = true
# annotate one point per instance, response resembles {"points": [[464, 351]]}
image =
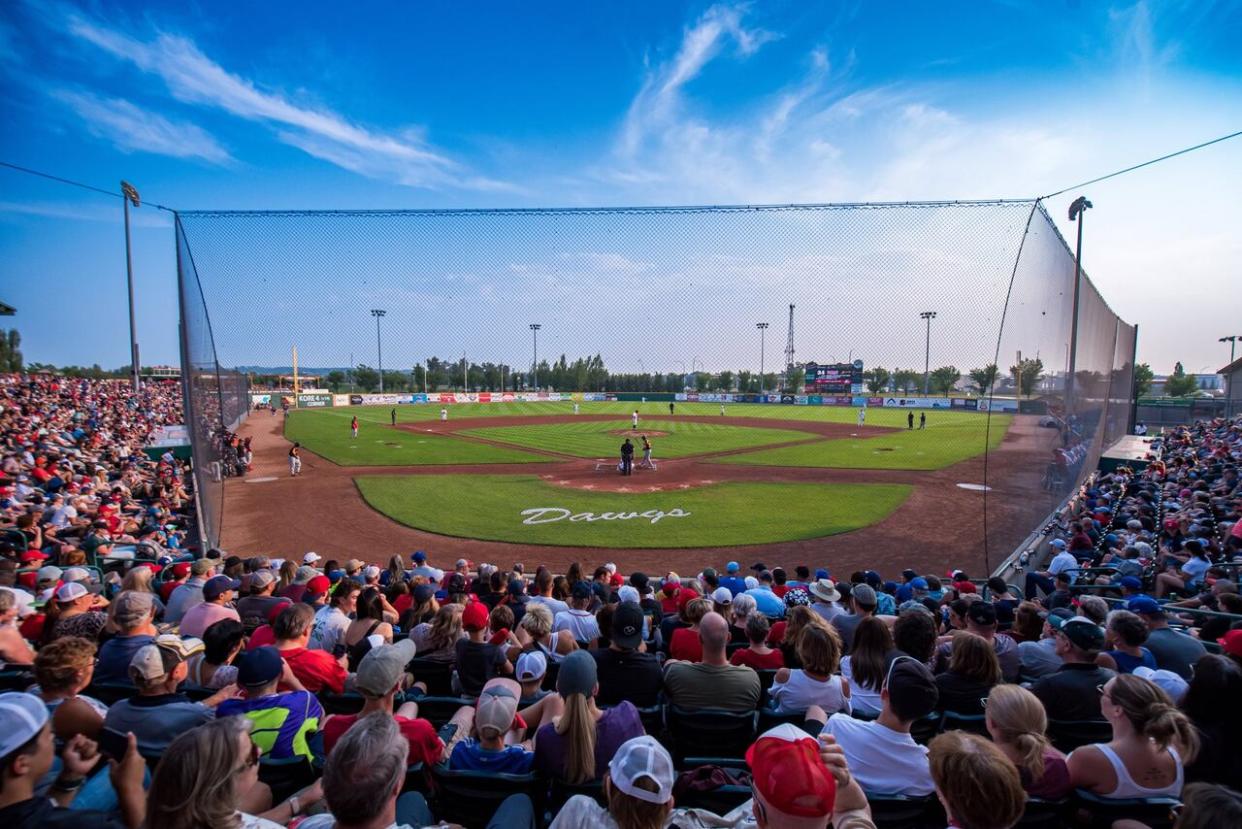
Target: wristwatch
{"points": [[68, 784]]}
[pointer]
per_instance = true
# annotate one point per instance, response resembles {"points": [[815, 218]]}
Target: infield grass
{"points": [[595, 439], [381, 445], [491, 507]]}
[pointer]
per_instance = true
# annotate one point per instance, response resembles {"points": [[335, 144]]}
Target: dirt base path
{"points": [[938, 526]]}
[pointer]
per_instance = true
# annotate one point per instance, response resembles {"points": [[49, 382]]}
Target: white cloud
{"points": [[133, 129], [193, 78]]}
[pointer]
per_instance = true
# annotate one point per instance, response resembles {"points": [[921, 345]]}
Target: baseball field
{"points": [[513, 477]]}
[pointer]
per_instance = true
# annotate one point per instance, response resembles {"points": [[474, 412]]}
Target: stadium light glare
{"points": [[929, 316], [379, 345]]}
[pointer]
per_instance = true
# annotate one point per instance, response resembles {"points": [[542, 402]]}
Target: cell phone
{"points": [[112, 743]]}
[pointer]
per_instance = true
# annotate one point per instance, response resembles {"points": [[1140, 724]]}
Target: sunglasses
{"points": [[252, 757], [1103, 691]]}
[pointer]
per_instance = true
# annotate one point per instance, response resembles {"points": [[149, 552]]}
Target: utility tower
{"points": [[787, 384]]}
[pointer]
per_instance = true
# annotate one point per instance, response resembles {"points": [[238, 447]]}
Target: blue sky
{"points": [[487, 105]]}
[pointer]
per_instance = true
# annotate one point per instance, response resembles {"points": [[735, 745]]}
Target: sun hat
{"points": [[627, 625], [578, 675], [497, 705], [24, 716], [788, 774], [259, 667], [641, 757], [71, 592], [722, 595], [531, 665], [825, 589], [474, 617], [381, 667]]}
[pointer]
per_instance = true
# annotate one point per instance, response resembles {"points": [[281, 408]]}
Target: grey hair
{"points": [[743, 606], [7, 599], [366, 768], [1094, 608]]}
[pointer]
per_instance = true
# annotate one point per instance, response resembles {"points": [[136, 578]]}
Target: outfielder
{"points": [[862, 416], [353, 426], [443, 415]]}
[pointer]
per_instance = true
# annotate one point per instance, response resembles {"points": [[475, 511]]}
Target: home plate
{"points": [[975, 487], [261, 480]]}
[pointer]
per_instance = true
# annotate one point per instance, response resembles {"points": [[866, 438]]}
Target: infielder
{"points": [[443, 415], [575, 408], [295, 460], [862, 416], [634, 420]]}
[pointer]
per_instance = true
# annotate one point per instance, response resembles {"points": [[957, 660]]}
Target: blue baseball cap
{"points": [[335, 575], [918, 583], [1059, 543], [1144, 606], [419, 557], [259, 666], [732, 567], [821, 573], [1132, 582]]}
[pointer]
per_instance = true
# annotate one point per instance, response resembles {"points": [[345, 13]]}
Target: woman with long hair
{"points": [[423, 608], [438, 639], [1211, 702], [796, 620], [206, 780], [865, 666], [974, 783], [574, 574], [973, 671], [817, 681], [1018, 724], [140, 579], [684, 643], [395, 572], [1028, 624], [577, 746], [368, 622], [1151, 741], [287, 574]]}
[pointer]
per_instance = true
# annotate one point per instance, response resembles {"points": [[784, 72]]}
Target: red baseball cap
{"points": [[617, 580], [181, 569], [318, 585], [474, 617], [34, 555], [789, 775], [1231, 643]]}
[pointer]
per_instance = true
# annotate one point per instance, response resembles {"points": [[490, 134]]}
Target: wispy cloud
{"points": [[133, 129], [194, 78]]}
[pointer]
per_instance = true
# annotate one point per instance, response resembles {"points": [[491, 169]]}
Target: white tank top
{"points": [[1126, 787], [801, 692]]}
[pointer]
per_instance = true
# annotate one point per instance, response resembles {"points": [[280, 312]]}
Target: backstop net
{"points": [[960, 312]]}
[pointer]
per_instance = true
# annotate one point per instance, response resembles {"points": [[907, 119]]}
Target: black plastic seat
{"points": [[710, 732], [471, 798], [972, 723], [1068, 735], [1154, 812]]}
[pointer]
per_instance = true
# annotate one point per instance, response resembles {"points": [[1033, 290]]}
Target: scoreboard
{"points": [[835, 378]]}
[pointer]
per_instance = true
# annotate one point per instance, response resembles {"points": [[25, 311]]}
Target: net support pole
{"points": [[1133, 419], [1077, 211], [129, 281]]}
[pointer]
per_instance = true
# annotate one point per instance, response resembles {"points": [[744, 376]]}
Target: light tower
{"points": [[789, 352], [929, 316], [379, 345], [763, 330]]}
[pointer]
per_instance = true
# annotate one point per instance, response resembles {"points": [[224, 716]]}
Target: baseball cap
{"points": [[732, 567], [217, 585], [423, 593], [33, 555], [381, 668], [153, 661], [259, 666], [49, 573], [132, 607], [721, 595], [982, 613], [261, 579], [76, 574], [498, 704], [578, 674], [1145, 606], [419, 557], [1169, 682], [311, 557], [640, 581], [1132, 582], [516, 587], [24, 716], [531, 665], [822, 573], [582, 590], [912, 689], [864, 595], [1083, 633], [474, 617], [71, 592], [1058, 543], [464, 562], [317, 586], [627, 625], [181, 569], [628, 593], [202, 566], [919, 583], [788, 774], [641, 757], [1231, 643]]}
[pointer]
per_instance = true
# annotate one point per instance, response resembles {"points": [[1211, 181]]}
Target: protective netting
{"points": [[666, 301]]}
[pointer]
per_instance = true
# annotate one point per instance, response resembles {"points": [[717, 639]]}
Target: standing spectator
{"points": [[972, 673], [1070, 693], [134, 616], [1018, 725], [1173, 651], [711, 682], [817, 681], [627, 455], [283, 722], [624, 671], [1126, 633], [976, 784], [295, 460], [216, 605]]}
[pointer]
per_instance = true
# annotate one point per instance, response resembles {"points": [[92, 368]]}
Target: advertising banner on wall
{"points": [[340, 400], [384, 399], [998, 405], [314, 401], [917, 402], [260, 400]]}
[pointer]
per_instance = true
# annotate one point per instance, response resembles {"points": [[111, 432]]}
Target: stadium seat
{"points": [[1101, 812], [770, 719], [549, 678], [894, 811], [346, 703], [286, 776], [973, 723], [721, 800], [1044, 814], [196, 692], [110, 693], [1068, 735], [438, 675], [925, 729], [710, 732], [471, 798], [438, 710]]}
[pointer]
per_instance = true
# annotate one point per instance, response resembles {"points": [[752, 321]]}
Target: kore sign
{"points": [[549, 515]]}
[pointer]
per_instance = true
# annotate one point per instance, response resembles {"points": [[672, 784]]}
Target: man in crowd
{"points": [[217, 597], [543, 593], [1071, 693], [863, 602], [792, 781], [625, 672], [255, 608], [767, 602], [734, 582], [578, 619], [713, 682], [494, 718], [981, 621], [824, 598], [1063, 561], [1040, 658], [1176, 652], [317, 670], [282, 721], [133, 613]]}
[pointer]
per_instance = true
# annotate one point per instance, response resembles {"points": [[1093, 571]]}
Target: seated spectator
{"points": [[1204, 806], [478, 660], [975, 783], [1028, 623], [189, 592], [255, 607], [798, 618], [1125, 634], [138, 579], [758, 655], [27, 754], [914, 633], [535, 632], [1004, 602], [495, 719], [624, 671], [1070, 692], [530, 669], [1173, 651], [863, 602], [367, 628], [13, 647], [722, 601], [1018, 724], [766, 602], [363, 778], [77, 613], [738, 610], [1211, 702], [1189, 577], [543, 593], [882, 755], [213, 668], [973, 671], [217, 595], [1063, 561], [638, 788], [577, 746], [422, 607], [316, 593], [1151, 741], [577, 619], [824, 596], [332, 620], [158, 713], [711, 682], [817, 681], [209, 778], [282, 721], [1094, 608], [134, 616], [316, 670], [866, 666], [63, 669], [381, 676], [684, 644], [266, 633], [980, 620], [1040, 658]]}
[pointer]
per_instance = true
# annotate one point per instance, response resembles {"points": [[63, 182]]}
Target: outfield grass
{"points": [[592, 438], [381, 445], [491, 507], [941, 444]]}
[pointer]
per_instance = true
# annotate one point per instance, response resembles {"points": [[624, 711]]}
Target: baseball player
{"points": [[353, 426], [443, 415], [722, 410], [295, 460], [393, 415], [647, 462], [862, 416], [634, 420], [575, 408]]}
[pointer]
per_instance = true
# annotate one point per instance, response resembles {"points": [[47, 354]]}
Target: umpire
{"points": [[627, 457]]}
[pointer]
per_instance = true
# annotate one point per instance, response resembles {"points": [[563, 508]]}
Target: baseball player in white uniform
{"points": [[634, 419], [443, 415]]}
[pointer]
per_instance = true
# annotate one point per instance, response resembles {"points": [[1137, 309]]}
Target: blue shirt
{"points": [[469, 755], [281, 723], [115, 656], [767, 602], [734, 584]]}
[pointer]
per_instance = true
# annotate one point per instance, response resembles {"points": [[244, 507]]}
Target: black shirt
{"points": [[477, 662], [1070, 693], [960, 694], [628, 675], [627, 450], [41, 813]]}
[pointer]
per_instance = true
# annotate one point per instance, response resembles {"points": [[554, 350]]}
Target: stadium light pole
{"points": [[929, 316], [1077, 211], [1233, 342], [534, 363], [379, 345], [128, 195], [763, 330]]}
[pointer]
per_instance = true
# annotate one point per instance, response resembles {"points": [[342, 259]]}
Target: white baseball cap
{"points": [[24, 716], [722, 595], [71, 592], [531, 665], [311, 557], [638, 758]]}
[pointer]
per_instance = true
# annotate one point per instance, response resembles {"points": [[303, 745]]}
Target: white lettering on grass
{"points": [[549, 515]]}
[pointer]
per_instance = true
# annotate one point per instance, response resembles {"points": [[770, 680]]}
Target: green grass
{"points": [[381, 445], [490, 507], [592, 438], [941, 444]]}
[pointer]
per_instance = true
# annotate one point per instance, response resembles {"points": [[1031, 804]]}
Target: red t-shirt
{"points": [[425, 744], [685, 645], [759, 662], [780, 589], [403, 603], [167, 588], [777, 634], [263, 635], [316, 670]]}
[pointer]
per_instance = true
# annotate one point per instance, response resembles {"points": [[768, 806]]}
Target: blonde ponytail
{"points": [[578, 726], [1020, 721], [1166, 726]]}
